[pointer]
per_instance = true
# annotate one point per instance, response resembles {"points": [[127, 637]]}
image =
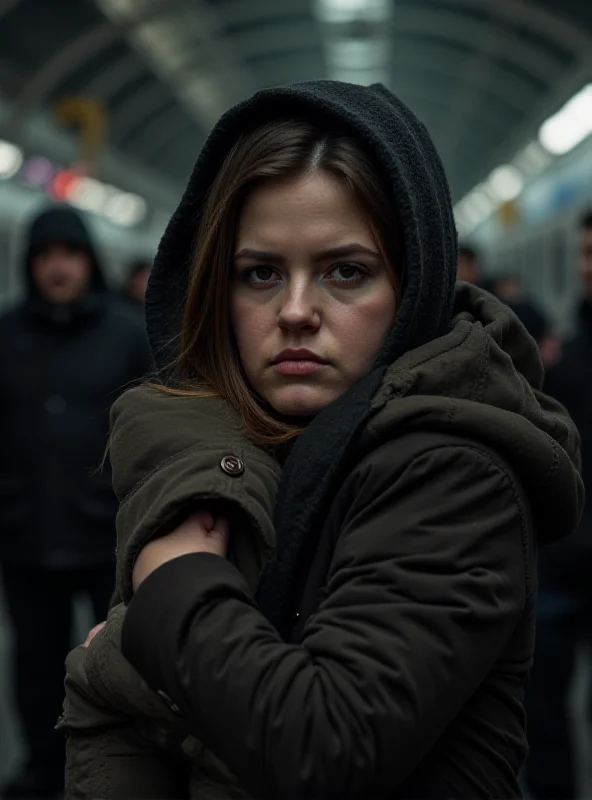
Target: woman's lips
{"points": [[297, 367]]}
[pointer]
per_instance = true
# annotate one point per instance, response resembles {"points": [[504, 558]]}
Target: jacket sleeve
{"points": [[118, 763], [427, 584], [109, 754], [167, 455]]}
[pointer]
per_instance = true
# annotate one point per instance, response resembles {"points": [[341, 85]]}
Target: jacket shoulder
{"points": [[423, 469], [392, 455]]}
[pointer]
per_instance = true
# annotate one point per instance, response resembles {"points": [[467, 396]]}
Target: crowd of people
{"points": [[333, 397], [564, 607]]}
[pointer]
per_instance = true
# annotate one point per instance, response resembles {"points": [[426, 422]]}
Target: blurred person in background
{"points": [[469, 268], [510, 291], [66, 352], [468, 265], [564, 620], [137, 282]]}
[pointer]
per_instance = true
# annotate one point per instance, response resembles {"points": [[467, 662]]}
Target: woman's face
{"points": [[311, 298]]}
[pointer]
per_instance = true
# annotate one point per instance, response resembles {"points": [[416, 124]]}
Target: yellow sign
{"points": [[508, 213], [89, 117]]}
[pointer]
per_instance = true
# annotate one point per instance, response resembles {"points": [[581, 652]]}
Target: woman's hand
{"points": [[93, 632], [199, 533]]}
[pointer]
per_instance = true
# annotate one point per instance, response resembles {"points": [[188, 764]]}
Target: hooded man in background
{"points": [[66, 353]]}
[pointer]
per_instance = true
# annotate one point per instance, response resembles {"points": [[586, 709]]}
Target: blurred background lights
{"points": [[11, 159], [125, 209], [38, 171], [351, 10], [505, 183], [570, 125]]}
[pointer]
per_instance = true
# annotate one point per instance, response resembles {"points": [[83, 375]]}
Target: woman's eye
{"points": [[260, 275], [347, 273]]}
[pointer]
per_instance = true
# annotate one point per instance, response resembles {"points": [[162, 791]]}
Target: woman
{"points": [[386, 650]]}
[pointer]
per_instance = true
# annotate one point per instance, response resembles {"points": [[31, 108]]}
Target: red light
{"points": [[64, 184]]}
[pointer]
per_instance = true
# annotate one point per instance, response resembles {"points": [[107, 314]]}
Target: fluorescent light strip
{"points": [[559, 134]]}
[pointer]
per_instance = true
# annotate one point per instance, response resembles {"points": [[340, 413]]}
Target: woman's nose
{"points": [[299, 310]]}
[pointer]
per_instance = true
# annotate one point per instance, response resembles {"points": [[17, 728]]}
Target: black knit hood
{"points": [[396, 139], [61, 223]]}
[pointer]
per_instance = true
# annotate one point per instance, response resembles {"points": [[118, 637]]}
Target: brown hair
{"points": [[209, 363]]}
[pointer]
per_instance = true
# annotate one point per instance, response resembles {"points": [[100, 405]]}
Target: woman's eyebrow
{"points": [[351, 249], [258, 255], [342, 251]]}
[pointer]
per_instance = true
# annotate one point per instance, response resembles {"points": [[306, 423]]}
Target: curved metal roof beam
{"points": [[107, 83], [566, 84], [138, 107], [234, 13], [177, 154], [222, 77], [495, 38], [171, 141], [281, 69], [508, 85], [77, 53], [45, 80], [275, 38], [159, 132], [455, 27], [557, 29], [417, 79], [491, 43], [489, 121]]}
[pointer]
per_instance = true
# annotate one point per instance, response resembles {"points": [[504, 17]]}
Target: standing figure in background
{"points": [[565, 596], [509, 290], [469, 268], [468, 265], [66, 353], [137, 283]]}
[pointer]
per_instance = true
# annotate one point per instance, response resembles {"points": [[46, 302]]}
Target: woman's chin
{"points": [[296, 401]]}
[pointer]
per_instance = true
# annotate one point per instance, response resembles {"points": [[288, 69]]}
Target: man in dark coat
{"points": [[66, 353], [565, 597]]}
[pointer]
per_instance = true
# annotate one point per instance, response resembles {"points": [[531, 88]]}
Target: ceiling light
{"points": [[505, 183], [357, 54], [570, 125], [475, 207], [125, 209], [89, 195], [336, 11], [11, 159], [533, 159]]}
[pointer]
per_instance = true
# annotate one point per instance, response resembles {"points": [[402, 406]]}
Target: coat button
{"points": [[232, 465], [173, 706]]}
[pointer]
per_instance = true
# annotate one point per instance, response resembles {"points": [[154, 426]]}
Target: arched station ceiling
{"points": [[482, 74]]}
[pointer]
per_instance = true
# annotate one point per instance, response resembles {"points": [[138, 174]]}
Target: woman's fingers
{"points": [[204, 518], [219, 536], [93, 632]]}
